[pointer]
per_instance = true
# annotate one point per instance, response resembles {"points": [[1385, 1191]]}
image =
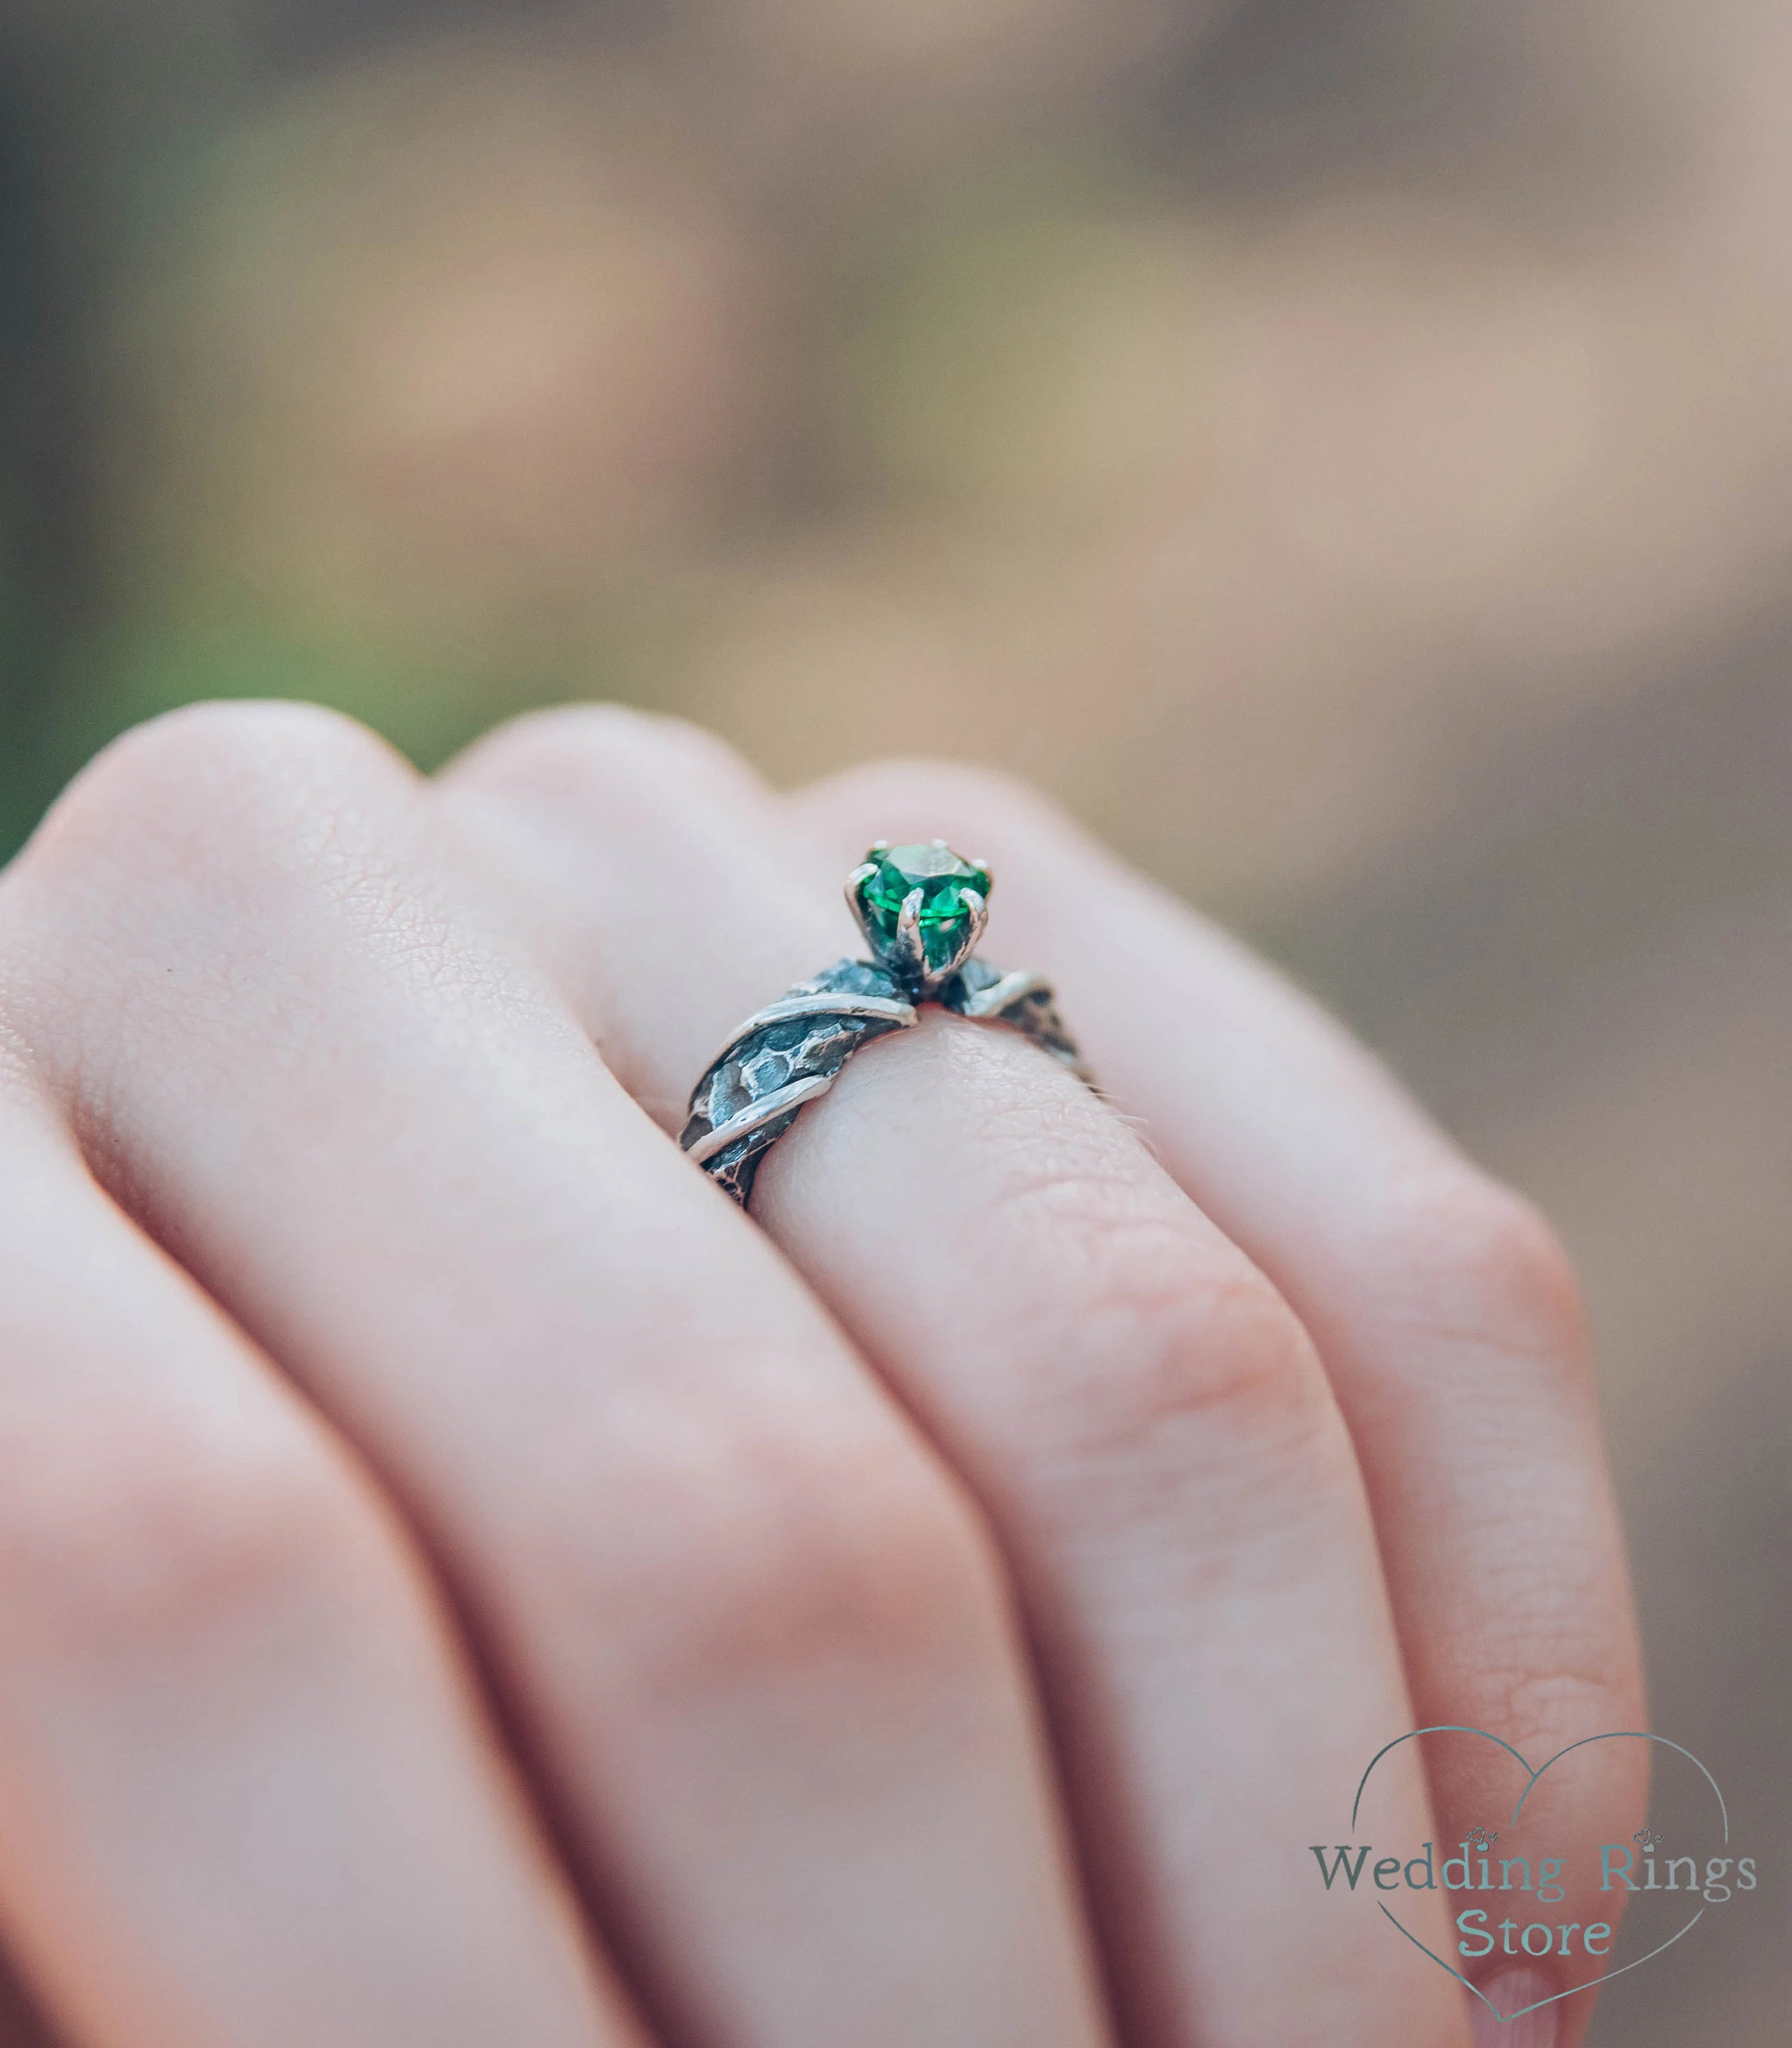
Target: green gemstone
{"points": [[942, 878]]}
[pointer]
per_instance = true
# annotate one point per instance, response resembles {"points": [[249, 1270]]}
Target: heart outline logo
{"points": [[1531, 1777]]}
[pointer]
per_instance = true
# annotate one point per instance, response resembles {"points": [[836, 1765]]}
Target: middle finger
{"points": [[749, 1634]]}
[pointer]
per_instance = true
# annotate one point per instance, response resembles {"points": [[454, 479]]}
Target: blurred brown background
{"points": [[1342, 447]]}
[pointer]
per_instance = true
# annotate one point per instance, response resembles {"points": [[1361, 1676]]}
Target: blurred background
{"points": [[1342, 447]]}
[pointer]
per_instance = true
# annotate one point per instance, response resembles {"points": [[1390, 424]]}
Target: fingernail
{"points": [[1511, 1991]]}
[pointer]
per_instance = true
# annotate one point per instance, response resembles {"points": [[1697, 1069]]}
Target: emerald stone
{"points": [[942, 878]]}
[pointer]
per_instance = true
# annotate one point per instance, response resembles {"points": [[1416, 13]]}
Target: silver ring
{"points": [[922, 910]]}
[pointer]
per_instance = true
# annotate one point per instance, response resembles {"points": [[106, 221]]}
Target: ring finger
{"points": [[1447, 1317], [1143, 1417]]}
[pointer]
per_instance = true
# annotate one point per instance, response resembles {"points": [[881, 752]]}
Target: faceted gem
{"points": [[942, 878]]}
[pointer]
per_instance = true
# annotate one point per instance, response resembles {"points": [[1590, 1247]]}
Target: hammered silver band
{"points": [[793, 1050]]}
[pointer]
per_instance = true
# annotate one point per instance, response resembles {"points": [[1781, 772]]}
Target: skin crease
{"points": [[943, 1607]]}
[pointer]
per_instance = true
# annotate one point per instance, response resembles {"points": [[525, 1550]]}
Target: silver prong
{"points": [[855, 885], [878, 845], [940, 842], [985, 866], [942, 972], [979, 907], [910, 950]]}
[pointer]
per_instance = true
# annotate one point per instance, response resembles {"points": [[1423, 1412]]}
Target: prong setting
{"points": [[978, 906], [922, 910]]}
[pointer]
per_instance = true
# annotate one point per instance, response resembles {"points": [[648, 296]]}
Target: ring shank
{"points": [[792, 1051]]}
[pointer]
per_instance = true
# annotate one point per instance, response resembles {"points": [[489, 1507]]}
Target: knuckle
{"points": [[563, 751], [154, 1538], [1166, 1343], [799, 1560], [1474, 1261], [226, 794], [228, 755]]}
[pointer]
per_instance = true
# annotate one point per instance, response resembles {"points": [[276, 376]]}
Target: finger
{"points": [[1139, 1415], [749, 1633], [22, 2024], [1444, 1312], [245, 1792]]}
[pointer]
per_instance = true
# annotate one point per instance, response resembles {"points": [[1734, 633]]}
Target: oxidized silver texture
{"points": [[792, 1051]]}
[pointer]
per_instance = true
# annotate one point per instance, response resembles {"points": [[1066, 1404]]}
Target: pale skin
{"points": [[462, 1581]]}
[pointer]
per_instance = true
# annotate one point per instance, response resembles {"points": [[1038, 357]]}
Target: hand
{"points": [[463, 1582]]}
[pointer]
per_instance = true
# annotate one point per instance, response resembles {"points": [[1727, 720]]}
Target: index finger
{"points": [[1445, 1312]]}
